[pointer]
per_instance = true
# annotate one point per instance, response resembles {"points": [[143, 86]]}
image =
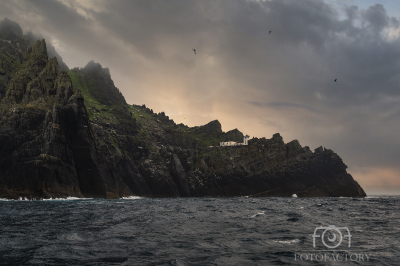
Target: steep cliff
{"points": [[73, 134], [46, 144]]}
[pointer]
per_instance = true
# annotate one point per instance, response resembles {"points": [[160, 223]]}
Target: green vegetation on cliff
{"points": [[108, 112]]}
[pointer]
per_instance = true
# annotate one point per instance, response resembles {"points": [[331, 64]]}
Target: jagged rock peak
{"points": [[35, 60], [10, 30], [38, 48], [102, 87], [233, 135], [96, 67], [277, 138], [52, 67], [213, 127]]}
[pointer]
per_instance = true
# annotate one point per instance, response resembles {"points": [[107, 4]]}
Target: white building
{"points": [[228, 143], [234, 143]]}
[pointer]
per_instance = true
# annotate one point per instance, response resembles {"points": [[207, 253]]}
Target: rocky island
{"points": [[69, 132]]}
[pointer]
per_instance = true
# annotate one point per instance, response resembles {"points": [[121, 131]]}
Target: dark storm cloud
{"points": [[237, 32], [377, 18], [144, 25], [291, 71], [55, 15]]}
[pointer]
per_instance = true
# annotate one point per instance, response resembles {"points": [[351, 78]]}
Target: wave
{"points": [[67, 198], [290, 242], [132, 197], [20, 199], [50, 199], [258, 214]]}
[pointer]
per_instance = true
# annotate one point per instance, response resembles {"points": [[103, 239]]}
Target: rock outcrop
{"points": [[73, 134]]}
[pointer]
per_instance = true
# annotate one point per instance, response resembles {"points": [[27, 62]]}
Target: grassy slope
{"points": [[109, 113], [97, 111]]}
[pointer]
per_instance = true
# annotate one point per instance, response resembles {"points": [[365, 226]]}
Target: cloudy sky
{"points": [[243, 76]]}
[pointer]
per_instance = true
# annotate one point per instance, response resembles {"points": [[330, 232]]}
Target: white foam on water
{"points": [[67, 198], [132, 197], [258, 214], [292, 241], [1, 199], [294, 196], [24, 198], [19, 199]]}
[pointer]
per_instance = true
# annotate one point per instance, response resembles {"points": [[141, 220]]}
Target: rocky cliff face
{"points": [[46, 143], [72, 134]]}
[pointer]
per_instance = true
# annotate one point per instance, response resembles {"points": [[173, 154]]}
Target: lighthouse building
{"points": [[234, 143]]}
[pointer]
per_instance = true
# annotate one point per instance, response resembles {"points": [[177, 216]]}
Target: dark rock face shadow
{"points": [[90, 182]]}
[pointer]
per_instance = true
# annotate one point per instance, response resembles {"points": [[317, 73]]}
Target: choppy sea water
{"points": [[201, 231]]}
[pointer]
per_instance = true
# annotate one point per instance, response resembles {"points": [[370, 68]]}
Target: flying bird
{"points": [[194, 50], [335, 80], [270, 32]]}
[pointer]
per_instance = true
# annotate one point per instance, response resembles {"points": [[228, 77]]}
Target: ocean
{"points": [[201, 231]]}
